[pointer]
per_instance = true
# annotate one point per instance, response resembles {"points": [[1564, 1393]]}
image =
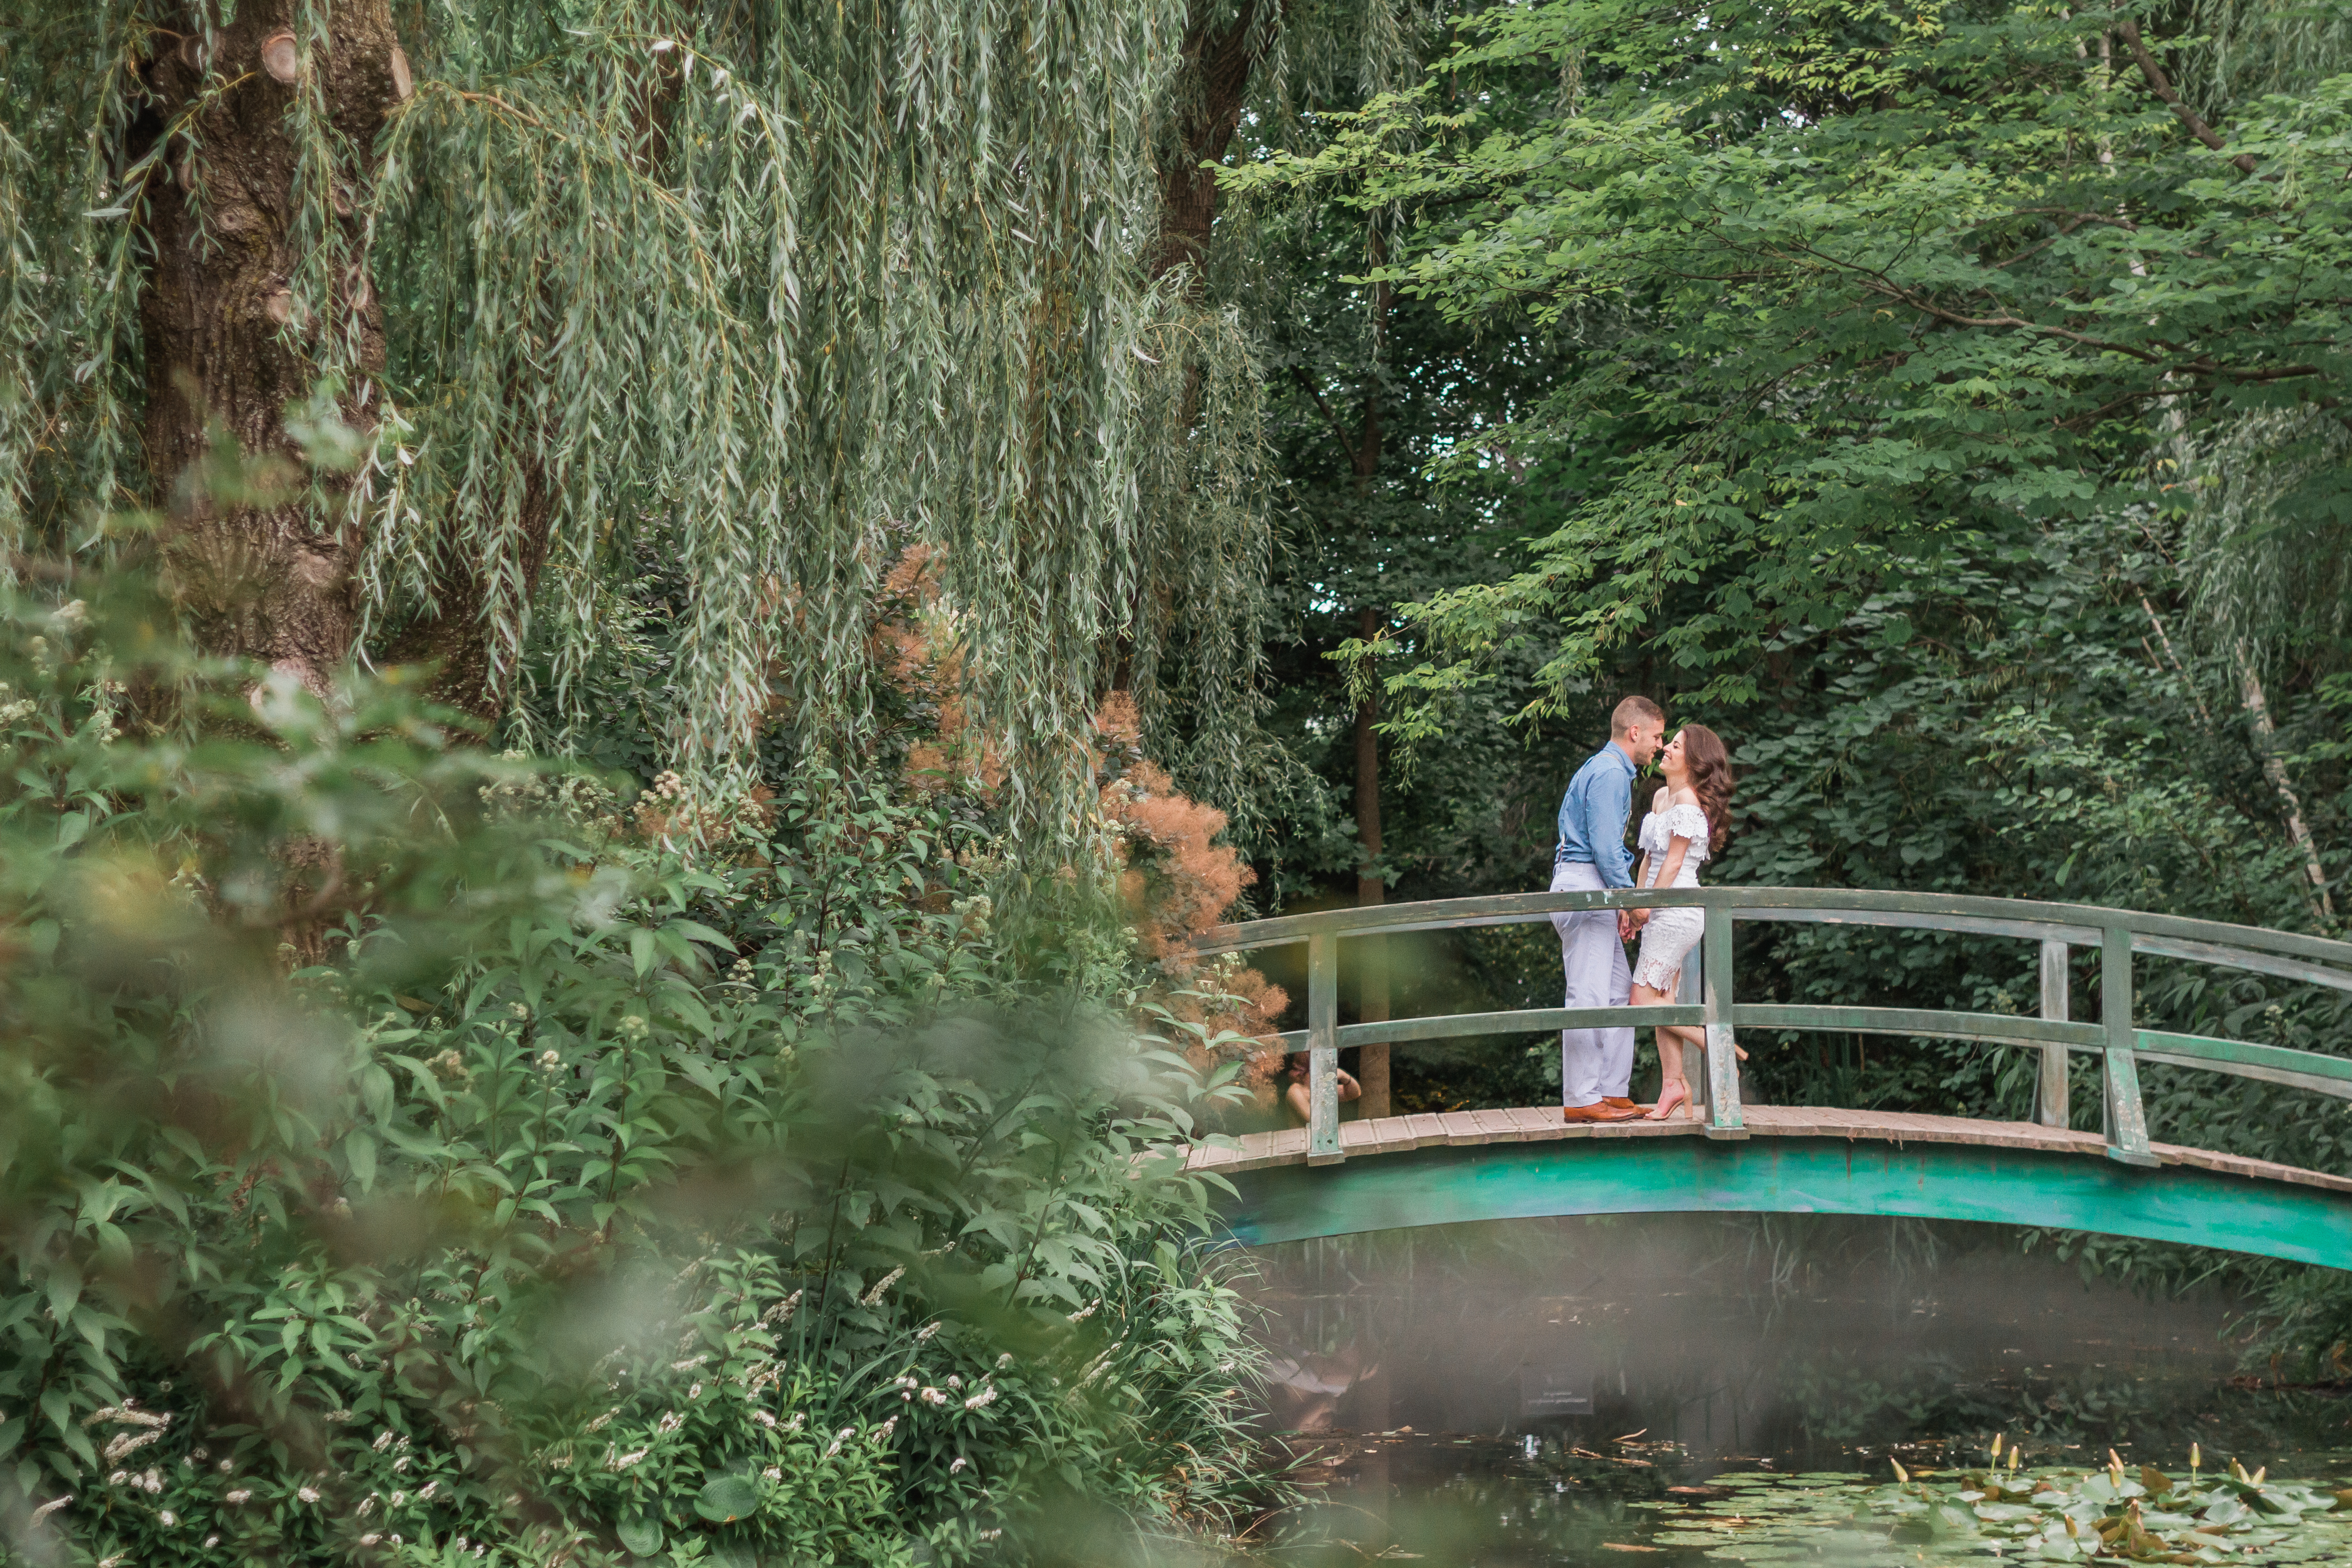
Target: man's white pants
{"points": [[1593, 1063]]}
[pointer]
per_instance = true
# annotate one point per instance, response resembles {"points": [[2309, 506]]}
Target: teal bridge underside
{"points": [[1793, 1176]]}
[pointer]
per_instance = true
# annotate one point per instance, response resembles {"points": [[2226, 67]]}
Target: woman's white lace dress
{"points": [[1668, 935]]}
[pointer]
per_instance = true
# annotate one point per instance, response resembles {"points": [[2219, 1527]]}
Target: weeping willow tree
{"points": [[2234, 51], [2258, 539], [1207, 489], [2260, 526], [513, 294]]}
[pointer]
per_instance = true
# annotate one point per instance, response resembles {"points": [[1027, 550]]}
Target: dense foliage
{"points": [[926, 510], [770, 293], [1919, 398], [581, 1198], [1861, 283]]}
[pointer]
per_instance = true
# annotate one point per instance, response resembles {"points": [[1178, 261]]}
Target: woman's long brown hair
{"points": [[1709, 761]]}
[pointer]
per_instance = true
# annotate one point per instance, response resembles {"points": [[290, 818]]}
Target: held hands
{"points": [[1629, 921]]}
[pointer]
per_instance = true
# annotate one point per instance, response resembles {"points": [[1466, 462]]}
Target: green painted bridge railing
{"points": [[1707, 998]]}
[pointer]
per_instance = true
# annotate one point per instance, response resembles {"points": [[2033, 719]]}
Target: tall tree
{"points": [[1252, 72], [771, 290], [1359, 439], [1866, 279], [259, 304]]}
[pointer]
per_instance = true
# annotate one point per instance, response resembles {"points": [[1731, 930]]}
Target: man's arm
{"points": [[1606, 805]]}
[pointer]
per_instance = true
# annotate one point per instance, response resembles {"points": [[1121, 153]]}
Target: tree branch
{"points": [[1339, 430], [2153, 74], [2204, 364]]}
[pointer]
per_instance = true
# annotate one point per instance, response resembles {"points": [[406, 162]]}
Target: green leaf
{"points": [[728, 1499], [65, 1289], [701, 932], [642, 1534], [358, 1149]]}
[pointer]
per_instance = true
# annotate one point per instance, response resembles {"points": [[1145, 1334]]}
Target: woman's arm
{"points": [[1630, 920], [1676, 846], [1658, 803]]}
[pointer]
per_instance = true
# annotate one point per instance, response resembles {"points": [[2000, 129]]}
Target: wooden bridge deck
{"points": [[1528, 1124]]}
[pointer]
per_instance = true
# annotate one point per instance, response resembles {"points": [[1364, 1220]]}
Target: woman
{"points": [[1688, 824]]}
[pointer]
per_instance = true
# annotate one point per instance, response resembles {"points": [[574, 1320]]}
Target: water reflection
{"points": [[1474, 1502], [1558, 1392]]}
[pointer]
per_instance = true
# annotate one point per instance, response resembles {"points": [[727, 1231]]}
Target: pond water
{"points": [[1744, 1389]]}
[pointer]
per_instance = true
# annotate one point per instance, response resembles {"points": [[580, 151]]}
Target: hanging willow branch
{"points": [[782, 293], [773, 290]]}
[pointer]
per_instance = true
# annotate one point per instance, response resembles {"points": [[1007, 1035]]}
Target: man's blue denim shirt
{"points": [[1592, 816]]}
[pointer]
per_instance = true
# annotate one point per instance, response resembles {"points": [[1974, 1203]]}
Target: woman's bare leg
{"points": [[1672, 1090], [1673, 1037], [1683, 1035]]}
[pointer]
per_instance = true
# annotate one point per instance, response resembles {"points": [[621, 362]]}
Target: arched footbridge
{"points": [[1334, 1177]]}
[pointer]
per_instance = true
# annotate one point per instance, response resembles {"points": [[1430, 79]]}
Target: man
{"points": [[1596, 1066]]}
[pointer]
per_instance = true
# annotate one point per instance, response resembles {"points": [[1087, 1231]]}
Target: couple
{"points": [[1687, 823]]}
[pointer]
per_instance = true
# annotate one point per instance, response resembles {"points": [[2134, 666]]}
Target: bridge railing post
{"points": [[1689, 992], [1722, 1054], [1323, 1049], [2127, 1117], [2051, 1108]]}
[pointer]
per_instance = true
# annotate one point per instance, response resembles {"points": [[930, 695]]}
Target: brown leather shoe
{"points": [[1604, 1111], [1619, 1101]]}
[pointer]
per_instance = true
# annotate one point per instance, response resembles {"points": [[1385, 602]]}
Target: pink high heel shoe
{"points": [[1677, 1095]]}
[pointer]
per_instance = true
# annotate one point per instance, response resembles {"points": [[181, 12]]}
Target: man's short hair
{"points": [[1634, 711]]}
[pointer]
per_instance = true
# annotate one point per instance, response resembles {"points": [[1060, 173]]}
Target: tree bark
{"points": [[258, 573], [455, 635], [2274, 769], [1220, 61]]}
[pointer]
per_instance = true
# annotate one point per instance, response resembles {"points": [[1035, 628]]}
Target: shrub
{"points": [[407, 1156]]}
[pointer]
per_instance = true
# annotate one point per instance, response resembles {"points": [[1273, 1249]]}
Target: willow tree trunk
{"points": [[456, 642], [260, 572], [1219, 61], [1210, 90]]}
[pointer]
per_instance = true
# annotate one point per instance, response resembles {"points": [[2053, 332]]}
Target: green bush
{"points": [[409, 1153]]}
